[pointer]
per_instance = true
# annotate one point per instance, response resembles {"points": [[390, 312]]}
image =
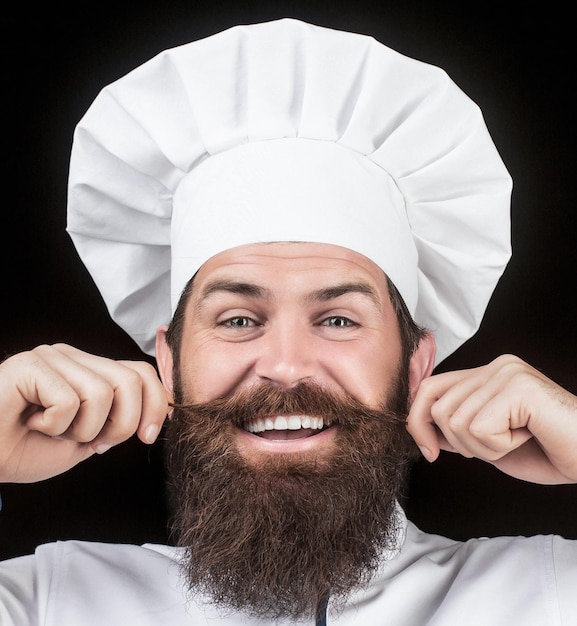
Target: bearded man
{"points": [[285, 485], [309, 208]]}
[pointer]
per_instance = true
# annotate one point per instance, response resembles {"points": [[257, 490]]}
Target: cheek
{"points": [[366, 369], [211, 369]]}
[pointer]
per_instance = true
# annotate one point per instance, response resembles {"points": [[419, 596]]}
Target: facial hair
{"points": [[275, 537]]}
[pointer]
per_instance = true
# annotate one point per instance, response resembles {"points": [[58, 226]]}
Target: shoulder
{"points": [[529, 580], [71, 578], [490, 556]]}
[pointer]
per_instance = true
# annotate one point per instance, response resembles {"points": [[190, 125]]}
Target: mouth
{"points": [[286, 434], [286, 427]]}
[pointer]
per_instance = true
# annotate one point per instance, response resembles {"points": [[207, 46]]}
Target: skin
{"points": [[59, 405], [284, 313], [506, 413]]}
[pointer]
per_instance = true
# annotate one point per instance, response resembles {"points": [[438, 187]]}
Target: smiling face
{"points": [[282, 314], [287, 447]]}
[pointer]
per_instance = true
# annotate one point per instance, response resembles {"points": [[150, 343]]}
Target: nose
{"points": [[287, 355]]}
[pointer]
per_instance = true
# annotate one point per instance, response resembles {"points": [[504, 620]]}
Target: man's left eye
{"points": [[338, 321], [239, 322]]}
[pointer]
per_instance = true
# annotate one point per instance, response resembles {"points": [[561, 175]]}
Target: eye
{"points": [[239, 321], [338, 321]]}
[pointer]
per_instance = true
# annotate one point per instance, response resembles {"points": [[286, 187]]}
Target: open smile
{"points": [[284, 427], [286, 433]]}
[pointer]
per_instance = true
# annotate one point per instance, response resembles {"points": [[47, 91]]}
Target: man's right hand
{"points": [[59, 405]]}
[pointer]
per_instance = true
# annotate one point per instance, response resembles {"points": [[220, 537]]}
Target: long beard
{"points": [[274, 538]]}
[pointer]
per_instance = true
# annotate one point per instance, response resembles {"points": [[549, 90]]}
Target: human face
{"points": [[284, 313]]}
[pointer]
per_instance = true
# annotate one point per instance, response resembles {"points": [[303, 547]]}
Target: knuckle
{"points": [[428, 386], [130, 378], [61, 347], [40, 348], [68, 402], [458, 422], [51, 428], [144, 368], [479, 432], [101, 391], [81, 434], [507, 359], [159, 405], [119, 431], [124, 432], [439, 412], [39, 352], [493, 444], [32, 359], [463, 450], [510, 365]]}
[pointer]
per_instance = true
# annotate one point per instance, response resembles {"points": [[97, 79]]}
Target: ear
{"points": [[422, 363], [164, 361]]}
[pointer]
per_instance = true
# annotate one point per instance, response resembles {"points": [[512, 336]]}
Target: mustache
{"points": [[306, 398]]}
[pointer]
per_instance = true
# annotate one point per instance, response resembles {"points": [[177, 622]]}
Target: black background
{"points": [[517, 64]]}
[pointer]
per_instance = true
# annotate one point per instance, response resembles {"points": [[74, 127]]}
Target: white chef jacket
{"points": [[509, 581]]}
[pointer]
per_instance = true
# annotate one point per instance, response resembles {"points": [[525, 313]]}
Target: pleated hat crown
{"points": [[285, 131]]}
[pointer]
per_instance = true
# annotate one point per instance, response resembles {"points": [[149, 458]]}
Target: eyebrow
{"points": [[336, 291], [249, 290]]}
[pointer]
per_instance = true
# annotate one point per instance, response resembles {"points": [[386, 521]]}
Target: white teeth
{"points": [[281, 422], [294, 422]]}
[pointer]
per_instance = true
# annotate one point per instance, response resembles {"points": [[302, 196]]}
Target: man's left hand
{"points": [[506, 413]]}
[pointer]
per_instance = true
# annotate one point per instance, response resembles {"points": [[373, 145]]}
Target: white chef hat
{"points": [[285, 131]]}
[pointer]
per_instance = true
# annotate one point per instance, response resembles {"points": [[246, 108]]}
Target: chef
{"points": [[299, 224]]}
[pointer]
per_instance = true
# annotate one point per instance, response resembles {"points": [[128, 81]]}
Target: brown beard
{"points": [[273, 539]]}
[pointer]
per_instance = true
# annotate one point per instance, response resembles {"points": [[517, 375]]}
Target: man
{"points": [[306, 193]]}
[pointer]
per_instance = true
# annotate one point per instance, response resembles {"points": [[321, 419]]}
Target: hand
{"points": [[506, 413], [59, 405]]}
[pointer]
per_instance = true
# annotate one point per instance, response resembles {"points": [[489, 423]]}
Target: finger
{"points": [[155, 401], [443, 443], [492, 420], [124, 416], [28, 386], [31, 380], [85, 397], [438, 400], [496, 428], [469, 398], [140, 406], [140, 401], [420, 423], [459, 408], [482, 425]]}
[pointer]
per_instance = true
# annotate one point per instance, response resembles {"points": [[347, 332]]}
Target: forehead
{"points": [[294, 265]]}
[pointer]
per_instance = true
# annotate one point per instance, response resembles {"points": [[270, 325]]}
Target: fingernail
{"points": [[151, 433], [101, 448]]}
